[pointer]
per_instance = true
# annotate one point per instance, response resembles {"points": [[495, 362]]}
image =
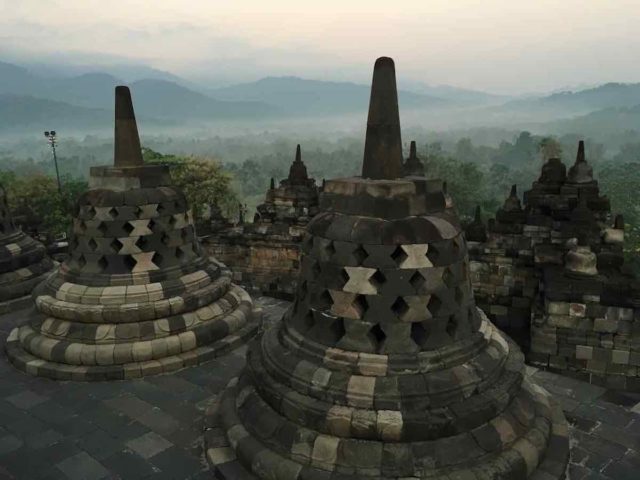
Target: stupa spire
{"points": [[127, 151], [383, 144], [580, 158], [412, 150]]}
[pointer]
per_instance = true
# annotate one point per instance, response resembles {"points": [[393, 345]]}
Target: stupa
{"points": [[552, 275], [23, 262], [413, 165], [383, 368], [265, 255], [136, 296]]}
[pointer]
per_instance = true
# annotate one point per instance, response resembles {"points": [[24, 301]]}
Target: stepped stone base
{"points": [[28, 363], [527, 440], [226, 439]]}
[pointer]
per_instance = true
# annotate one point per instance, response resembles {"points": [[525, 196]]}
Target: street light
{"points": [[51, 137]]}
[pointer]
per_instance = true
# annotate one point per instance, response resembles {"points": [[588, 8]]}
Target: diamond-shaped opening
{"points": [[325, 299], [448, 277], [127, 227], [160, 208], [116, 245], [157, 259], [329, 249], [129, 262], [452, 326], [418, 333], [103, 263], [432, 254], [399, 255], [360, 304], [142, 243], [434, 305], [82, 261], [337, 329], [82, 226], [417, 281], [360, 254], [92, 244], [400, 307], [103, 228], [91, 213], [378, 279], [378, 334], [165, 238], [172, 220], [344, 277], [113, 212]]}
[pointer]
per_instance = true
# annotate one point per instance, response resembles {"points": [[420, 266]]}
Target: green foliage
{"points": [[37, 205], [202, 180], [621, 183]]}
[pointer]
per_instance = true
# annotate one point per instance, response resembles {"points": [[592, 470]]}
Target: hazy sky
{"points": [[496, 45]]}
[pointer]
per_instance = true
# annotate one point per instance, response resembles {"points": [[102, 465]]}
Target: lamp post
{"points": [[51, 137]]}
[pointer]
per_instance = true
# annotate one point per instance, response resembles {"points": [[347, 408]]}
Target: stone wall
{"points": [[261, 261], [579, 330]]}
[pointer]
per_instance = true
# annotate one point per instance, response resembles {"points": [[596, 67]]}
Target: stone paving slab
{"points": [[153, 428]]}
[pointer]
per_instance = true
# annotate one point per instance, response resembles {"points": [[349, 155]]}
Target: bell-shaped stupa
{"points": [[136, 296], [23, 262], [383, 368]]}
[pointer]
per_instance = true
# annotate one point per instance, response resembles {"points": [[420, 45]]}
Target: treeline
{"points": [[240, 172]]}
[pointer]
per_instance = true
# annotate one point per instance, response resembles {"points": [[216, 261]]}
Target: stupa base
{"points": [[28, 363], [14, 304], [230, 449]]}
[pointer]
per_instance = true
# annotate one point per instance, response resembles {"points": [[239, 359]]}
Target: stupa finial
{"points": [[580, 158], [383, 144], [127, 151]]}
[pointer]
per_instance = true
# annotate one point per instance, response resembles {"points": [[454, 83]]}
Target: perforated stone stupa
{"points": [[23, 262], [383, 368], [136, 296]]}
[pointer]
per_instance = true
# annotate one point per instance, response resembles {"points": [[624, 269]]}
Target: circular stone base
{"points": [[19, 303], [30, 364], [221, 446]]}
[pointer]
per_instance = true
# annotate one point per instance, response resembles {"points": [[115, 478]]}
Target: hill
{"points": [[152, 97], [582, 101], [21, 112], [601, 122], [298, 96]]}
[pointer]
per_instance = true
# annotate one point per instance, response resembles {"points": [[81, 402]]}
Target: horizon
{"points": [[496, 47]]}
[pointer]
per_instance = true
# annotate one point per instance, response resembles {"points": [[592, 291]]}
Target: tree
{"points": [[37, 206], [202, 180]]}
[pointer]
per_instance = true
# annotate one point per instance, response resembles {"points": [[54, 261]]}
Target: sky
{"points": [[500, 46]]}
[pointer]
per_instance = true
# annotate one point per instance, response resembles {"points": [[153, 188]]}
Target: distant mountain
{"points": [[582, 101], [461, 96], [297, 96], [163, 99], [601, 122], [157, 98], [20, 112]]}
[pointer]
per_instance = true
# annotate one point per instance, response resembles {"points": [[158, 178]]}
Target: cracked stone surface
{"points": [[152, 428]]}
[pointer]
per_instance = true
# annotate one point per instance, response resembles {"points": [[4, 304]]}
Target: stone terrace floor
{"points": [[152, 428]]}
